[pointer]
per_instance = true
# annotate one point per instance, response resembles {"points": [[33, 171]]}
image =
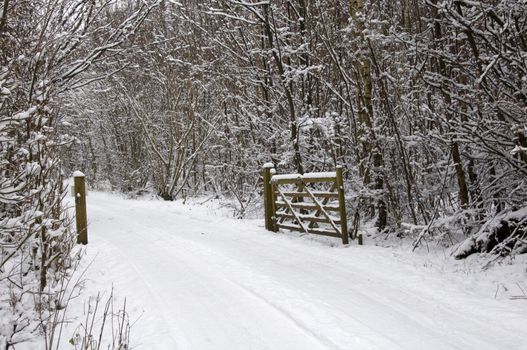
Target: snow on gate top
{"points": [[329, 174]]}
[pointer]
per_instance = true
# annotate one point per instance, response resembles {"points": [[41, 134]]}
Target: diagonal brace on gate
{"points": [[322, 210]]}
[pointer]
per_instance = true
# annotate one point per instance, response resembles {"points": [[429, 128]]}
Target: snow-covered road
{"points": [[203, 282]]}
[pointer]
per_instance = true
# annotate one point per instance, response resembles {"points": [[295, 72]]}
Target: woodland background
{"points": [[424, 103]]}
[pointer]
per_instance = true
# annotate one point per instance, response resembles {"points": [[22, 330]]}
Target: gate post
{"points": [[268, 196], [79, 191], [342, 206]]}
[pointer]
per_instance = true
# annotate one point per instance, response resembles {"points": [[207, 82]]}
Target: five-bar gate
{"points": [[310, 203]]}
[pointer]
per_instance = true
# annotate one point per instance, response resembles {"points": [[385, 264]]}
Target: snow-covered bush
{"points": [[44, 51]]}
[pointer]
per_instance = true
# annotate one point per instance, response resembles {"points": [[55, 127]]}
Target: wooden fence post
{"points": [[268, 196], [79, 191], [274, 223], [342, 206]]}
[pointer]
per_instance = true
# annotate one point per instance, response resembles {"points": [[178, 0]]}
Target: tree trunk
{"points": [[367, 137]]}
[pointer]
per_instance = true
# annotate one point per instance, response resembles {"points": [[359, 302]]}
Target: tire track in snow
{"points": [[181, 262], [456, 325], [291, 303]]}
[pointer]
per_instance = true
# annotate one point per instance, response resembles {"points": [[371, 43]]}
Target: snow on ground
{"points": [[197, 280]]}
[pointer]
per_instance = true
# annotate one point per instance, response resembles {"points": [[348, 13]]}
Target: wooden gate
{"points": [[310, 203]]}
